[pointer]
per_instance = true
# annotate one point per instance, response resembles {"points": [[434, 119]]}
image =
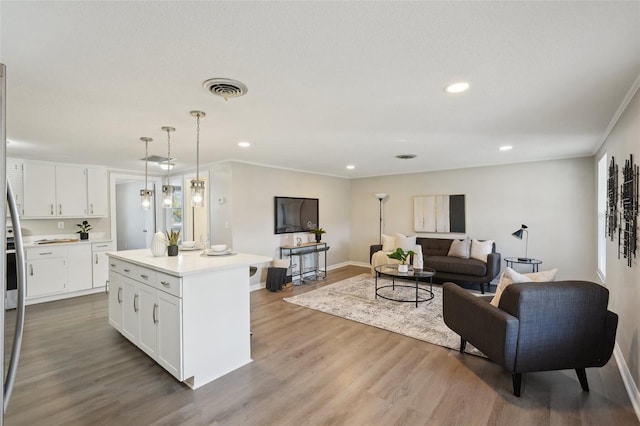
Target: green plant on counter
{"points": [[317, 231], [84, 227], [173, 237], [400, 255]]}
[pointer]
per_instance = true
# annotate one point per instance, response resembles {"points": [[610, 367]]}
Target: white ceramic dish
{"points": [[188, 244], [219, 253], [183, 248], [219, 248]]}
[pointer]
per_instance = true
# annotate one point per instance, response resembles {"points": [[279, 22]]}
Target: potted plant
{"points": [[400, 255], [84, 230], [318, 233], [172, 242]]}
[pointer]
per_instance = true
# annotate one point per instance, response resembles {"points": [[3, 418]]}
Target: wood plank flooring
{"points": [[309, 368]]}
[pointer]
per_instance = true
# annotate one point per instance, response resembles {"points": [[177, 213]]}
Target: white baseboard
{"points": [[51, 298], [629, 384]]}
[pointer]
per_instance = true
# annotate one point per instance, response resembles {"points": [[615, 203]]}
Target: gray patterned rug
{"points": [[354, 299]]}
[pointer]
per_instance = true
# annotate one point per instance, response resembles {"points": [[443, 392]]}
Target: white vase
{"points": [[418, 260], [158, 244], [403, 267]]}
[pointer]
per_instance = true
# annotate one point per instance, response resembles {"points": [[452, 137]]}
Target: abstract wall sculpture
{"points": [[612, 200], [439, 213], [628, 231]]}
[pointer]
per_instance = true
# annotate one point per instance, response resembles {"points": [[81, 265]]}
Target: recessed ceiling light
{"points": [[244, 144], [458, 87], [350, 166], [406, 156], [505, 148]]}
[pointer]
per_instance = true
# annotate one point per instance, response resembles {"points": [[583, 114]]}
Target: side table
{"points": [[533, 262]]}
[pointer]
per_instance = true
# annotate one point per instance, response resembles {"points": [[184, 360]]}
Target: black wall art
{"points": [[628, 231]]}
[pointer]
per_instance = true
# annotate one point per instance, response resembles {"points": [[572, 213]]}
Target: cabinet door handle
{"points": [[31, 269], [106, 286], [60, 209], [165, 283], [119, 294], [46, 253], [113, 265], [51, 206], [135, 303], [144, 276], [96, 258], [91, 205], [127, 270], [155, 313]]}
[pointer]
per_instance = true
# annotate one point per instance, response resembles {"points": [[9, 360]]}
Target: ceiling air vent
{"points": [[225, 87]]}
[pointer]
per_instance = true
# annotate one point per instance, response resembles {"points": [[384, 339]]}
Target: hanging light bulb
{"points": [[197, 185], [167, 190], [146, 195]]}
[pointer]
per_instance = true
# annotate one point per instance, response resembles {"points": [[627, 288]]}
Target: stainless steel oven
{"points": [[11, 293]]}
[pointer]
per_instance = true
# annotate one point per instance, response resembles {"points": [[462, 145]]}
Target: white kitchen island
{"points": [[190, 312]]}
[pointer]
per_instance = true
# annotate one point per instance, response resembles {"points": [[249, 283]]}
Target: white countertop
{"points": [[187, 262]]}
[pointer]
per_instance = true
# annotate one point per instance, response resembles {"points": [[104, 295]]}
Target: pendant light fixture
{"points": [[167, 190], [197, 185], [146, 194]]}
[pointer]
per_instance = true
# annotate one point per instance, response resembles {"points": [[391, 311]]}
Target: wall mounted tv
{"points": [[295, 214]]}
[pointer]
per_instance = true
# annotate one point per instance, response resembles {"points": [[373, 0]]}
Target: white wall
{"points": [[251, 205], [555, 199], [622, 281]]}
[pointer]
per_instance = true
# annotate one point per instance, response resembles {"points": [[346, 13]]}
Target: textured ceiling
{"points": [[329, 83]]}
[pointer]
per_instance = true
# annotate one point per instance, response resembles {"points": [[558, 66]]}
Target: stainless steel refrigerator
{"points": [[8, 204]]}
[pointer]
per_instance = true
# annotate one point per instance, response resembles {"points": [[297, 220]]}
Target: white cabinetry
{"points": [[61, 190], [58, 271], [115, 301], [15, 178], [100, 263], [54, 191], [46, 271], [142, 310], [79, 273], [97, 192]]}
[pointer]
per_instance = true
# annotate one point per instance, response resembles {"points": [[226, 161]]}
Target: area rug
{"points": [[354, 299]]}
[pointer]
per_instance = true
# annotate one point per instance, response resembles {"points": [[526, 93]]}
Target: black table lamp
{"points": [[518, 235]]}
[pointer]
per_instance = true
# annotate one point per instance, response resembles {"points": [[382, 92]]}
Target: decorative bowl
{"points": [[218, 247], [188, 244]]}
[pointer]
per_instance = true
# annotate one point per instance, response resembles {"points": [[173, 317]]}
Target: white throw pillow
{"points": [[405, 243], [509, 276], [388, 243], [460, 248], [481, 249]]}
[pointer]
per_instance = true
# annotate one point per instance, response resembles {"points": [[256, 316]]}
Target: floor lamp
{"points": [[380, 196]]}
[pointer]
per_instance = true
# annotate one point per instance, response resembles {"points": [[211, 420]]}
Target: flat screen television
{"points": [[294, 214]]}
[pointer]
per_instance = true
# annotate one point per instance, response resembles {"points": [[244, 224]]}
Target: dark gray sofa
{"points": [[455, 269], [537, 326]]}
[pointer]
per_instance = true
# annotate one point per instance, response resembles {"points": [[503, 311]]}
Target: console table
{"points": [[300, 251]]}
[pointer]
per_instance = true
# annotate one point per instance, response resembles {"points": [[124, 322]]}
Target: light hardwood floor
{"points": [[309, 368]]}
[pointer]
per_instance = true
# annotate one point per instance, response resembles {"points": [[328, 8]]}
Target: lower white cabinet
{"points": [[46, 271], [115, 301], [100, 263], [79, 275], [147, 315], [56, 271]]}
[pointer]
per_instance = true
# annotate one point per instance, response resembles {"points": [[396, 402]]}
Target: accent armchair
{"points": [[537, 327]]}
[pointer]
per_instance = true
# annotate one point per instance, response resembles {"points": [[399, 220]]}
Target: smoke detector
{"points": [[225, 87]]}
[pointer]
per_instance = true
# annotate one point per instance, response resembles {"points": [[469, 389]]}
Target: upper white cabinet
{"points": [[97, 194], [57, 190], [40, 190], [71, 191]]}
